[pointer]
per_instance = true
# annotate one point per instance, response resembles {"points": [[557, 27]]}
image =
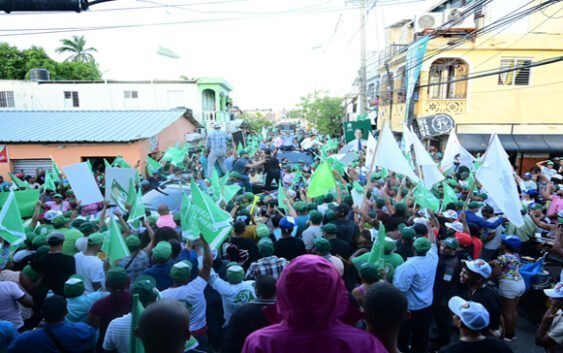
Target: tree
{"points": [[77, 47], [15, 64], [256, 121], [321, 111]]}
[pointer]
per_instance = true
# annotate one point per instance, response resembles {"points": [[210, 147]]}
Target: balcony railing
{"points": [[209, 115], [450, 106]]}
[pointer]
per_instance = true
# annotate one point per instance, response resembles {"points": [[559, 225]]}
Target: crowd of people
{"points": [[296, 274]]}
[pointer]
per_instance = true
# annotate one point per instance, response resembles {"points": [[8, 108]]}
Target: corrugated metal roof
{"points": [[19, 126]]}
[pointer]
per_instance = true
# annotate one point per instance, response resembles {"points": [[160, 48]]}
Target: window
{"points": [[7, 99], [400, 85], [444, 79], [131, 94], [71, 99], [518, 77], [386, 92]]}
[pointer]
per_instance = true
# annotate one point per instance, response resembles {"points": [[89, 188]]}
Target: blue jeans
{"points": [[245, 179]]}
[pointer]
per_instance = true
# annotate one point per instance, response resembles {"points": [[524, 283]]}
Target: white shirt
{"points": [[310, 235], [494, 244], [10, 293], [118, 334], [192, 296], [548, 173], [232, 295], [92, 269]]}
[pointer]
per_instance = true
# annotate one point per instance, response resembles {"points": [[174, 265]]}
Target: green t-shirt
{"points": [[71, 235], [392, 261]]}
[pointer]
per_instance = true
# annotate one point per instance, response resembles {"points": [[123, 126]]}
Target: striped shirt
{"points": [[118, 334], [267, 266], [216, 142]]}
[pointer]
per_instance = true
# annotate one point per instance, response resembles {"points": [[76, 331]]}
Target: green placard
{"points": [[351, 126], [27, 199]]}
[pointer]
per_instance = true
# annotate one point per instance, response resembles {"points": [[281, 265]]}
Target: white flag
{"points": [[388, 155], [496, 176], [407, 140], [453, 149], [430, 172], [370, 150]]}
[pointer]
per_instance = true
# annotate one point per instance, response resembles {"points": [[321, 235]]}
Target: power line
{"points": [[520, 87]]}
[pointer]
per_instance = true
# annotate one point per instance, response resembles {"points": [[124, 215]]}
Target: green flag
{"points": [[49, 183], [322, 181], [131, 193], [120, 162], [26, 199], [19, 183], [190, 228], [216, 185], [90, 166], [56, 171], [11, 226], [281, 197], [230, 191], [239, 149], [137, 208], [135, 343], [214, 223], [106, 164], [114, 245], [425, 198], [152, 166], [169, 154], [449, 195], [376, 253]]}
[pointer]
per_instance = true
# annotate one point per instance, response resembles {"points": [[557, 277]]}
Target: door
{"points": [[30, 166]]}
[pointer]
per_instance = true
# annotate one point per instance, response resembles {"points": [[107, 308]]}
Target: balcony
{"points": [[448, 106]]}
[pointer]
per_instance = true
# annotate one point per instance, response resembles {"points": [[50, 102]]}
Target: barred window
{"points": [[516, 77], [444, 79], [7, 99]]}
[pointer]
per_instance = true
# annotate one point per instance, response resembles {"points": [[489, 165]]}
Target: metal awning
{"points": [[515, 143]]}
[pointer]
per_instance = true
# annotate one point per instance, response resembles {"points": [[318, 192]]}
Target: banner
{"points": [[26, 199], [122, 175], [350, 128], [415, 55], [83, 183], [118, 196], [4, 154]]}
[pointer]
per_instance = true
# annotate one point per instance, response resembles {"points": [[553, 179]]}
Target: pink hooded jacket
{"points": [[311, 298]]}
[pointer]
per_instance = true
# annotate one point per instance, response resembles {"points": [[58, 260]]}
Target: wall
{"points": [[68, 154]]}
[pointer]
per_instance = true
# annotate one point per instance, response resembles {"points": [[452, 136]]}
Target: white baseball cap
{"points": [[555, 292], [479, 266], [450, 214], [472, 314], [457, 226]]}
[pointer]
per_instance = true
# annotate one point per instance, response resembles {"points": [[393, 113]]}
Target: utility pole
{"points": [[363, 69]]}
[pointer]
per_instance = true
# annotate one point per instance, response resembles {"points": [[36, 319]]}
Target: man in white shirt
{"points": [[491, 236], [191, 293], [314, 231], [234, 292], [10, 295], [89, 265]]}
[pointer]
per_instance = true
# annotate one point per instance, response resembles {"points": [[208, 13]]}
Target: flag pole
{"points": [[372, 162]]}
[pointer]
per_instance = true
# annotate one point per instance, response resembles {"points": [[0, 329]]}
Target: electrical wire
{"points": [[519, 87]]}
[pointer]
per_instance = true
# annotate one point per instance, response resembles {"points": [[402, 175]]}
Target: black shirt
{"points": [[56, 269], [245, 320], [346, 230], [489, 298], [248, 246], [447, 279], [271, 164], [340, 248], [404, 249], [289, 248], [488, 345]]}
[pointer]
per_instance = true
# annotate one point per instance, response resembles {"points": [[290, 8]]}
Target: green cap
{"points": [[234, 175], [473, 205], [249, 196], [375, 176], [77, 223], [316, 217], [44, 229], [300, 206], [96, 239], [181, 271], [74, 286], [162, 251], [58, 196], [266, 247], [537, 206], [389, 246], [145, 286], [312, 207], [550, 162], [329, 228], [152, 221], [262, 231], [59, 221], [243, 152], [369, 272], [459, 205], [323, 245], [422, 245], [380, 202], [87, 227], [133, 242], [330, 215], [117, 278], [235, 274], [408, 233], [451, 243], [39, 241], [482, 196], [329, 198]]}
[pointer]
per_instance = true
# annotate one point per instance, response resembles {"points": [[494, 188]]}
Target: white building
{"points": [[208, 98]]}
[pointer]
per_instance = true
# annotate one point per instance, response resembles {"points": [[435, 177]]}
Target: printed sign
{"points": [[118, 196], [435, 125], [350, 128]]}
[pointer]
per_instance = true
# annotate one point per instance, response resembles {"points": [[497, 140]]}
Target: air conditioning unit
{"points": [[429, 20], [453, 19]]}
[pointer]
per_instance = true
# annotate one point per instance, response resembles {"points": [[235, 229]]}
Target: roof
{"points": [[29, 126], [78, 82]]}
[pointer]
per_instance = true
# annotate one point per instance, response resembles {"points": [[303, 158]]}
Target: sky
{"points": [[271, 51]]}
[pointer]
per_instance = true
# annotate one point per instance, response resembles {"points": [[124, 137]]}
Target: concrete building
{"points": [[208, 98], [33, 139], [522, 105]]}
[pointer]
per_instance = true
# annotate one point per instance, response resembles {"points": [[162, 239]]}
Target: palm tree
{"points": [[77, 47]]}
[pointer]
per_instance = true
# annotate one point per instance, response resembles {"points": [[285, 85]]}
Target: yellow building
{"points": [[523, 106]]}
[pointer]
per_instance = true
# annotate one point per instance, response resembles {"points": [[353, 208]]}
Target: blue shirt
{"points": [[216, 142], [8, 334], [75, 337], [161, 274], [79, 307], [471, 217], [415, 278], [240, 166]]}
